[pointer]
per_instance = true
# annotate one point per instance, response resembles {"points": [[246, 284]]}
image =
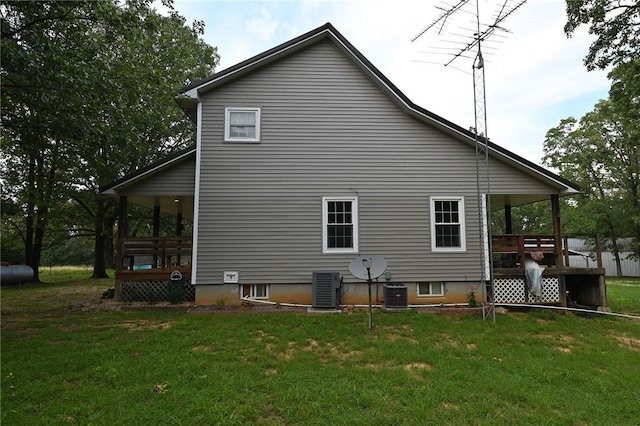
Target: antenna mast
{"points": [[475, 39]]}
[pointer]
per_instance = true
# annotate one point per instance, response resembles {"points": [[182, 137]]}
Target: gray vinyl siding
{"points": [[327, 131], [507, 180], [178, 179]]}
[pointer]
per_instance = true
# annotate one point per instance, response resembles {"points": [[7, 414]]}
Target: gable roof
{"points": [[188, 97]]}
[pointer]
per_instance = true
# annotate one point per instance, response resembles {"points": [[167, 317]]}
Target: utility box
{"points": [[326, 289], [395, 296]]}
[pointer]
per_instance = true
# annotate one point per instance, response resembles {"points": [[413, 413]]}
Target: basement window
{"points": [[259, 291], [434, 288]]}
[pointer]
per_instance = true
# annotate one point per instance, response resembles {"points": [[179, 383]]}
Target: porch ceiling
{"points": [[171, 204]]}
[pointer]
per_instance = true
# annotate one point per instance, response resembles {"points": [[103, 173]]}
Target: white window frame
{"points": [[354, 223], [253, 290], [461, 223], [227, 124], [431, 293]]}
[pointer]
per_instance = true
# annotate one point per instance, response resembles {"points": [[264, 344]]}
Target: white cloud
{"points": [[263, 26]]}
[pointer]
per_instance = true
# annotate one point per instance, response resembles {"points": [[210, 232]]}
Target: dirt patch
{"points": [[242, 309], [565, 338], [135, 325], [414, 369], [629, 342]]}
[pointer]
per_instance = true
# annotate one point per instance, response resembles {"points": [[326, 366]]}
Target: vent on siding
{"points": [[326, 289], [395, 296]]}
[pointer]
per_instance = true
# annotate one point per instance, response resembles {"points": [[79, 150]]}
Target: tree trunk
{"points": [[37, 249], [99, 268], [105, 218], [616, 251], [109, 258]]}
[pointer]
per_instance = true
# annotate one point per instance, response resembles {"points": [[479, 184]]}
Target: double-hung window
{"points": [[447, 224], [339, 224], [242, 124]]}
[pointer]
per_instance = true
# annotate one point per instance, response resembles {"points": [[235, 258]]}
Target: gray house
{"points": [[307, 157]]}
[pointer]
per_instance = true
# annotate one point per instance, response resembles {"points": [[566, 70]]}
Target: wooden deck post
{"points": [[156, 229], [123, 226], [508, 221]]}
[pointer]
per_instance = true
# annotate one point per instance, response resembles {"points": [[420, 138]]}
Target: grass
{"points": [[67, 358], [624, 295]]}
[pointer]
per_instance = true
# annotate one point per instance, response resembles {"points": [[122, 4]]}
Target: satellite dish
{"points": [[376, 265]]}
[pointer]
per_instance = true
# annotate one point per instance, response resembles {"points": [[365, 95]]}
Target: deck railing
{"points": [[157, 252], [514, 248]]}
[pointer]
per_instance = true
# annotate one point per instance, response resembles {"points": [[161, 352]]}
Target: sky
{"points": [[534, 75]]}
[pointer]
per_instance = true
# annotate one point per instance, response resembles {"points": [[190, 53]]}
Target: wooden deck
{"points": [[154, 253], [511, 250], [564, 286]]}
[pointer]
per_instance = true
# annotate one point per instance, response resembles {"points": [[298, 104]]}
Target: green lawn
{"points": [[69, 359], [624, 295]]}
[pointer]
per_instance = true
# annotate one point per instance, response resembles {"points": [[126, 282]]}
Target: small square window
{"points": [[434, 288], [242, 124]]}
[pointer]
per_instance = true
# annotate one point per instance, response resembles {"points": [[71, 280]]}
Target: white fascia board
{"points": [[196, 199]]}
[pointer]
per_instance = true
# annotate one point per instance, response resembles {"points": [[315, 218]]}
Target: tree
{"points": [[601, 152], [532, 218], [87, 96], [616, 25]]}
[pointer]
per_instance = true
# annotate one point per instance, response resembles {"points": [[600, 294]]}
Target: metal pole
{"points": [[370, 308]]}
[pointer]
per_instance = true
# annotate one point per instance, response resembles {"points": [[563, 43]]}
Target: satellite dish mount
{"points": [[368, 268]]}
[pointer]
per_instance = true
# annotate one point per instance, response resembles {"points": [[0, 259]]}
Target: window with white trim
{"points": [[259, 291], [430, 289], [242, 124], [447, 224], [339, 224]]}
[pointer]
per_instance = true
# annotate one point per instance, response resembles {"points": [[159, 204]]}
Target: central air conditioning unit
{"points": [[326, 289], [395, 296]]}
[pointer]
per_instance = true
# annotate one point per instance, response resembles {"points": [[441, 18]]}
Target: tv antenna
{"points": [[467, 41]]}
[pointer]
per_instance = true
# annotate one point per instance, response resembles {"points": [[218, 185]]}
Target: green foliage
{"points": [[534, 218], [601, 153], [471, 299], [616, 26], [72, 251], [87, 96]]}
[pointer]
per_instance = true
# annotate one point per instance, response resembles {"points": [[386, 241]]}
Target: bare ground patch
{"points": [[136, 325], [628, 342]]}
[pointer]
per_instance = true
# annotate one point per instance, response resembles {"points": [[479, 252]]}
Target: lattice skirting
{"points": [[158, 291], [514, 290]]}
